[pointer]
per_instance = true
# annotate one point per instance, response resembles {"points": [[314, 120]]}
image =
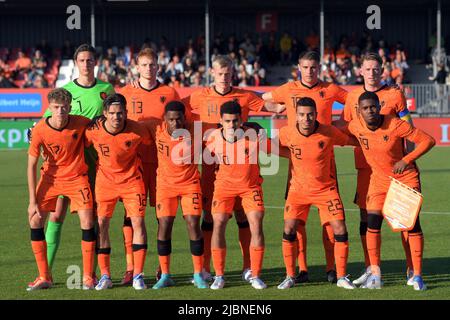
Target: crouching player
{"points": [[64, 172], [119, 177], [382, 141], [178, 180], [313, 183], [235, 148]]}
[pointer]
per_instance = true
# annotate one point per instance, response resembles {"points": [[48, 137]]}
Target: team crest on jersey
{"points": [[103, 95], [159, 206], [386, 138], [128, 143], [214, 203], [321, 144], [162, 99], [75, 136], [321, 94]]}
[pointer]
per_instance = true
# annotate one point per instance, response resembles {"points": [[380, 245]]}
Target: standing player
{"points": [[206, 103], [178, 180], [119, 176], [382, 140], [324, 94], [313, 183], [392, 102], [236, 148], [64, 172], [88, 94], [146, 99]]}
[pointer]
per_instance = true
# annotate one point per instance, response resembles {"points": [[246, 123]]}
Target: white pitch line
{"points": [[426, 212]]}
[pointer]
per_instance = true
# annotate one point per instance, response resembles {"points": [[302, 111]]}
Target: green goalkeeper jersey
{"points": [[87, 101]]}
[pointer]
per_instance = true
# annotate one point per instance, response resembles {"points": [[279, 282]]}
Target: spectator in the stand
{"points": [[248, 67], [111, 56], [163, 59], [232, 44], [259, 75], [38, 82], [249, 48], [329, 51], [342, 52], [312, 40], [22, 65], [192, 55], [386, 78], [441, 75], [400, 62], [188, 69], [285, 48], [38, 63], [6, 82], [124, 56], [356, 70], [243, 77], [107, 69]]}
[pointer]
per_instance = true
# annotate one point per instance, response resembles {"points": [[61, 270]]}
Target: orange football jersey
{"points": [[118, 159], [177, 159], [312, 156], [392, 101], [206, 103], [63, 148], [323, 93], [238, 161], [148, 105], [384, 146]]}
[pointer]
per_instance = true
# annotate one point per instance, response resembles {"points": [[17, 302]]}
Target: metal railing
{"points": [[431, 99]]}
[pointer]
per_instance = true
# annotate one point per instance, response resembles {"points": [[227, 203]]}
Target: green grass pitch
{"points": [[18, 265]]}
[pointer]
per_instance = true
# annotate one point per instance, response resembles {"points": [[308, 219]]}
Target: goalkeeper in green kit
{"points": [[88, 94]]}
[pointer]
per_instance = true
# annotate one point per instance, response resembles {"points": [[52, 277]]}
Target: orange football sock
{"points": [[366, 253], [197, 261], [406, 247], [328, 245], [244, 243], [164, 262], [87, 251], [128, 243], [416, 241], [374, 247], [341, 257], [290, 253], [207, 235], [104, 260], [256, 260], [218, 257], [302, 240], [139, 261], [40, 254]]}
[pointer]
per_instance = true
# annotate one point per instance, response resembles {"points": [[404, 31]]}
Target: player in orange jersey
{"points": [[382, 141], [235, 148], [324, 94], [146, 98], [178, 180], [392, 102], [313, 183], [64, 172], [205, 105], [119, 176]]}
